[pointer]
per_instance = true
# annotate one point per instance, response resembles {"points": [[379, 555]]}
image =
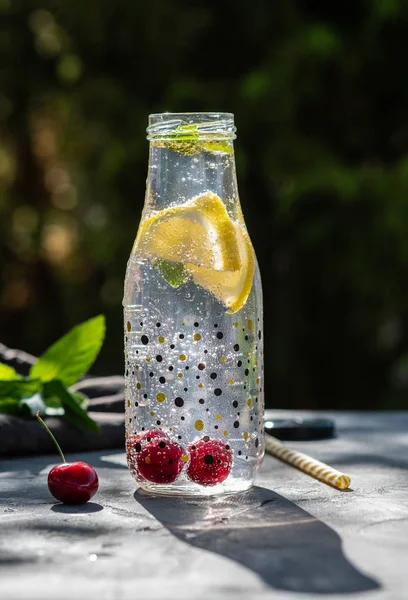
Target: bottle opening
{"points": [[191, 126]]}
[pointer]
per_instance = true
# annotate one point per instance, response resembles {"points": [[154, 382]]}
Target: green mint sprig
{"points": [[185, 139], [174, 273], [47, 386]]}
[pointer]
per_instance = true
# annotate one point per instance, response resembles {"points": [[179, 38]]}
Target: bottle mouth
{"points": [[191, 126]]}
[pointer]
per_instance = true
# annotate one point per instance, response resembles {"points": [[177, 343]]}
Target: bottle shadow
{"points": [[286, 546]]}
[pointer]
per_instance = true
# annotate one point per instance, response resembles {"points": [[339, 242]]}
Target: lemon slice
{"points": [[199, 232], [200, 237], [230, 288]]}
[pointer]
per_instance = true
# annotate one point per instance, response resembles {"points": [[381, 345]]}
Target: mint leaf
{"points": [[184, 132], [60, 366], [73, 354], [186, 140], [52, 406], [73, 411], [7, 372], [82, 400], [218, 146], [19, 388], [174, 273], [18, 396]]}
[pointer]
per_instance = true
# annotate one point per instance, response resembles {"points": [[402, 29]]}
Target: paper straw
{"points": [[307, 464]]}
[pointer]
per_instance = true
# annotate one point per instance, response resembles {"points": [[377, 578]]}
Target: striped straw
{"points": [[305, 463]]}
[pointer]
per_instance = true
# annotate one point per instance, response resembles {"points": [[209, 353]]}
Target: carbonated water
{"points": [[193, 319]]}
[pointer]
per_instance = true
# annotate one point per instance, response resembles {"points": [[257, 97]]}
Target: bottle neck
{"points": [[180, 171]]}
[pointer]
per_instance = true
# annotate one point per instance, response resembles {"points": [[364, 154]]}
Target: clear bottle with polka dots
{"points": [[193, 318]]}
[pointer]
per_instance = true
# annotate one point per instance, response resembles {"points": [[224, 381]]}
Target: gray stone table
{"points": [[290, 537]]}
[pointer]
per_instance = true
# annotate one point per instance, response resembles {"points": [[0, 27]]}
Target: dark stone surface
{"points": [[290, 537]]}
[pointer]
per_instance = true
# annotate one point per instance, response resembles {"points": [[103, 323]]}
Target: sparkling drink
{"points": [[193, 318]]}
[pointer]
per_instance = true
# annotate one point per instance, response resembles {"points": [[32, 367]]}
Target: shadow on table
{"points": [[286, 546]]}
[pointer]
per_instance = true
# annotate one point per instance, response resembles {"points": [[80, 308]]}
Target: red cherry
{"points": [[134, 445], [161, 460], [73, 483], [210, 461], [144, 436]]}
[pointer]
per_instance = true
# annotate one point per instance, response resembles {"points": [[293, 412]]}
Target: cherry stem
{"points": [[52, 436]]}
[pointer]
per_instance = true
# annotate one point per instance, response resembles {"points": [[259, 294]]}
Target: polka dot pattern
{"points": [[224, 361]]}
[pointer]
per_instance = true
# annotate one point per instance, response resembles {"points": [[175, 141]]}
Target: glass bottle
{"points": [[193, 318]]}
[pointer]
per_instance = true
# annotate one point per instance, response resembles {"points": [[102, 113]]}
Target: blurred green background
{"points": [[320, 97]]}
